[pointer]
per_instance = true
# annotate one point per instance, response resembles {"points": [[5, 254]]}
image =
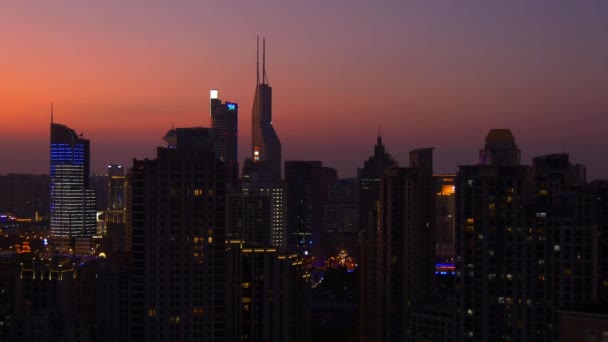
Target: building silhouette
{"points": [[224, 119], [369, 178], [177, 222], [265, 143], [307, 185]]}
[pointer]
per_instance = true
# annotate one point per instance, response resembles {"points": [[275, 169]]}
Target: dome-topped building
{"points": [[500, 148]]}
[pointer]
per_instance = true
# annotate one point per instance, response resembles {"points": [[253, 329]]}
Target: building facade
{"points": [[72, 203]]}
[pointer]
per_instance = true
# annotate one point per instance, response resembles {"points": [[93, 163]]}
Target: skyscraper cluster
{"points": [[525, 245], [181, 247]]}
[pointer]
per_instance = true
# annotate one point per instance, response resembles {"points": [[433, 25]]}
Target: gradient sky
{"points": [[430, 73]]}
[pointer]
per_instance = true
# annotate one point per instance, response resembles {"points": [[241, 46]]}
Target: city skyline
{"points": [[453, 72]]}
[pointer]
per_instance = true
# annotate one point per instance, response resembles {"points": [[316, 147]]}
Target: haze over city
{"points": [[428, 73]]}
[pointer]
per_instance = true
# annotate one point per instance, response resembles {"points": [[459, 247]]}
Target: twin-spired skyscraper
{"points": [[265, 144]]}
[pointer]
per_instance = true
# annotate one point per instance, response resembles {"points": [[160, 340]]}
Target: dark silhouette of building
{"points": [[72, 203], [178, 269], [403, 249], [265, 143], [525, 245], [25, 196], [224, 119], [445, 216], [369, 193], [249, 218], [307, 184]]}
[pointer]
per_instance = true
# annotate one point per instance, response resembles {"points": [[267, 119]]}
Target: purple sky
{"points": [[431, 73]]}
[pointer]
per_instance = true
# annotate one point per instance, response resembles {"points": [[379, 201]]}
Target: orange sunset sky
{"points": [[430, 73]]}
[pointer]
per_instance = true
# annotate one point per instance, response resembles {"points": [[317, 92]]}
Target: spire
{"points": [[379, 136], [264, 77], [51, 112], [257, 64]]}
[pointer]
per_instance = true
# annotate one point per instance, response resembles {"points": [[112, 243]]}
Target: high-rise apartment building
{"points": [[72, 203], [526, 244], [445, 216], [265, 143], [402, 245], [177, 219], [369, 191]]}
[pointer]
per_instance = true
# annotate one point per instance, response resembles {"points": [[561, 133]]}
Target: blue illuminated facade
{"points": [[72, 203]]}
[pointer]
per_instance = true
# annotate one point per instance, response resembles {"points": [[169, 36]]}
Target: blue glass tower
{"points": [[72, 203]]}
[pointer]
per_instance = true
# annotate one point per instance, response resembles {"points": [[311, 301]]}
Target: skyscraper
{"points": [[265, 143], [177, 218], [72, 203], [307, 190], [224, 120], [116, 194], [403, 250]]}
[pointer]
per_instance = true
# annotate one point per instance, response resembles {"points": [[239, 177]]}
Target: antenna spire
{"points": [[257, 64], [51, 112], [264, 78]]}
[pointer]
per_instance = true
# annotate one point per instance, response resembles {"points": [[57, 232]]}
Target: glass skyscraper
{"points": [[72, 203]]}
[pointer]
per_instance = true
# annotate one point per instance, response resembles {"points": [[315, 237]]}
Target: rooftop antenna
{"points": [[257, 64], [51, 112], [264, 78]]}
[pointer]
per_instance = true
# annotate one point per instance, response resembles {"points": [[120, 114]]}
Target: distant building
{"points": [[445, 216], [116, 190], [224, 119], [307, 189], [369, 178], [275, 190], [341, 219], [265, 143], [249, 218], [72, 203]]}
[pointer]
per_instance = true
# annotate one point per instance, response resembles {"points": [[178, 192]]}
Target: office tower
{"points": [[99, 183], [249, 218], [265, 144], [264, 184], [307, 188], [116, 189], [72, 204], [177, 218], [369, 189], [445, 216], [224, 119]]}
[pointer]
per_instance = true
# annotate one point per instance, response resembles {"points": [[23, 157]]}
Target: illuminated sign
{"points": [[231, 106], [214, 93]]}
